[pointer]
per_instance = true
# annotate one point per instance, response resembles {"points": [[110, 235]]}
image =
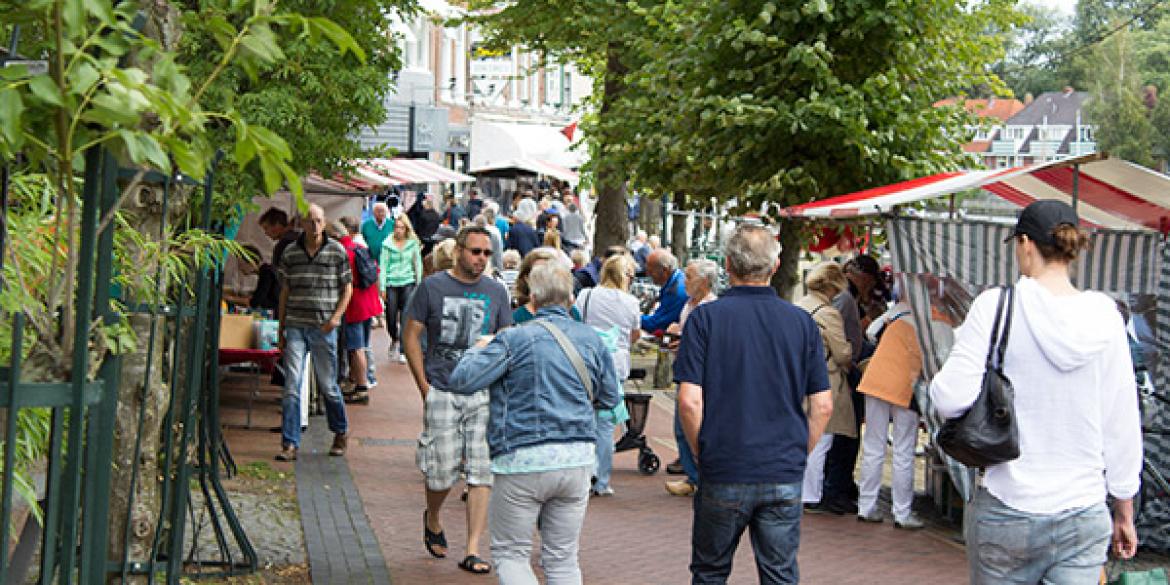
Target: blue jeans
{"points": [[300, 342], [771, 511], [685, 457], [1005, 545], [604, 452]]}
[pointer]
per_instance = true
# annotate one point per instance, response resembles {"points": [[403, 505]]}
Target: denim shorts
{"points": [[357, 335]]}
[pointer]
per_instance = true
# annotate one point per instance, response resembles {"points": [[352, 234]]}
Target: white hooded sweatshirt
{"points": [[1075, 397]]}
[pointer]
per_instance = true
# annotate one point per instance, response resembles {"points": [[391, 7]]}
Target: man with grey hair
{"points": [[545, 378], [662, 268], [746, 365], [379, 227]]}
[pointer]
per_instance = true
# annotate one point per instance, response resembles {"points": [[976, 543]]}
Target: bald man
{"points": [[662, 268], [316, 288]]}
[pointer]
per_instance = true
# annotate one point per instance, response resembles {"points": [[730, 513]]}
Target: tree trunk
{"points": [[650, 218], [679, 242], [611, 227], [135, 392], [785, 279]]}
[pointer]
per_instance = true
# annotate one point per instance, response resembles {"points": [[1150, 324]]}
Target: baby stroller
{"points": [[639, 406]]}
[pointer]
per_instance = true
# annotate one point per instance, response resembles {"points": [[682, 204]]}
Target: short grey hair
{"points": [[550, 283], [751, 253], [707, 270], [665, 259]]}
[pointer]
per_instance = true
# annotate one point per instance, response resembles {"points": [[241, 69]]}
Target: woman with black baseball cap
{"points": [[1043, 516]]}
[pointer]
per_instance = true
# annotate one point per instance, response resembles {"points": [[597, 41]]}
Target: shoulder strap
{"points": [[585, 310], [998, 344], [574, 356], [814, 311]]}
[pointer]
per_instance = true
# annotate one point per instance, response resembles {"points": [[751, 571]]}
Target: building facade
{"points": [[448, 83], [1050, 127]]}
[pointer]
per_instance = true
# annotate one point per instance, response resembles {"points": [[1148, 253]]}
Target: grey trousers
{"points": [[558, 499]]}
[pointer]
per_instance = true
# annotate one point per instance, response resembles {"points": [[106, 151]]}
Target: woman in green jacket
{"points": [[401, 263]]}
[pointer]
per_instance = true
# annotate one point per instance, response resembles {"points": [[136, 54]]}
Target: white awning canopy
{"points": [[528, 146], [534, 166]]}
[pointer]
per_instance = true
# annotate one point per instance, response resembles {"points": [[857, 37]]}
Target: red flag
{"points": [[569, 130]]}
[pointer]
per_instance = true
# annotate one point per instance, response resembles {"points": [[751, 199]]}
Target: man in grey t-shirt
{"points": [[455, 308]]}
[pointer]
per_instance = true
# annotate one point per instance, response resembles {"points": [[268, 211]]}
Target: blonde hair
{"points": [[443, 256], [615, 272], [827, 278], [404, 220]]}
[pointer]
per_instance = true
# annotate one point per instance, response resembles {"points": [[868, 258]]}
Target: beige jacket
{"points": [[838, 357]]}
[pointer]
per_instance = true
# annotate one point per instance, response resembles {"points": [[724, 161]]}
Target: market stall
{"points": [[942, 264]]}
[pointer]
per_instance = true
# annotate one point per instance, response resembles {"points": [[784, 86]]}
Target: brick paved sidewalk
{"points": [[639, 536]]}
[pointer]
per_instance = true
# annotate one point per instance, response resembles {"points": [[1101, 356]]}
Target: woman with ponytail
{"points": [[1043, 516]]}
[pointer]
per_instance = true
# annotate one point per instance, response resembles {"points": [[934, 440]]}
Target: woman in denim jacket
{"points": [[541, 432]]}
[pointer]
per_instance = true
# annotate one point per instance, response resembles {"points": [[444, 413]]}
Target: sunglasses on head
{"points": [[480, 251]]}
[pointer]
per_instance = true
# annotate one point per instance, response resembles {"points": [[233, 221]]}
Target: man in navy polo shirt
{"points": [[746, 365]]}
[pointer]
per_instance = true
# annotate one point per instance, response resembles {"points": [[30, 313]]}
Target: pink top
{"points": [[364, 303]]}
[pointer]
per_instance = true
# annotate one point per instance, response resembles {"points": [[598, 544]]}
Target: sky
{"points": [[1065, 6]]}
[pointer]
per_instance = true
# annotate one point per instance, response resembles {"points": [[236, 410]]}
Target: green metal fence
{"points": [[70, 543]]}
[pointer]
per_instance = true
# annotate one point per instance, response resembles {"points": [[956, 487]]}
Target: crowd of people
{"points": [[519, 343]]}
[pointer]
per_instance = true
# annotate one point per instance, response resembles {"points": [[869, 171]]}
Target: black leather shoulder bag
{"points": [[986, 434]]}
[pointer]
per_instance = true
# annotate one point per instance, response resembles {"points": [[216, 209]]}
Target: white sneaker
{"points": [[911, 522], [874, 516], [401, 359]]}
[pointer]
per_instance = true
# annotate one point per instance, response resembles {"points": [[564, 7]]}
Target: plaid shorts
{"points": [[454, 439]]}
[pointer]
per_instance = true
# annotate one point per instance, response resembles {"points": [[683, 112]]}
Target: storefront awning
{"points": [[408, 171], [1110, 192], [531, 165]]}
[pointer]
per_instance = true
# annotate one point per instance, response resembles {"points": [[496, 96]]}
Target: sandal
{"points": [[433, 539], [474, 564]]}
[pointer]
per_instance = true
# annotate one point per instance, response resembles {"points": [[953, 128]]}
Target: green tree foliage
{"points": [[1033, 62], [1123, 127], [317, 99], [112, 83]]}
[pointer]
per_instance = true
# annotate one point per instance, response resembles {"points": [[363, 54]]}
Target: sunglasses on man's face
{"points": [[480, 251]]}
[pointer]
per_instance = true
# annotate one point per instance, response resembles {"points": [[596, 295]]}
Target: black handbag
{"points": [[986, 434]]}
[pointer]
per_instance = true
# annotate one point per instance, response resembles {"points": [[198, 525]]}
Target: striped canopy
{"points": [[407, 171], [1110, 193]]}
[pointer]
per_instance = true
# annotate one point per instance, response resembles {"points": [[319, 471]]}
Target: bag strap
{"points": [[814, 311], [585, 312], [574, 355], [997, 346]]}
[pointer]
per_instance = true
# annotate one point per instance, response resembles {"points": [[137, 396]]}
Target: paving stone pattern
{"points": [[639, 536], [342, 548]]}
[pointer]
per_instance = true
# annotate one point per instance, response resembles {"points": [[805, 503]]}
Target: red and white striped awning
{"points": [[408, 171], [531, 165], [1110, 192]]}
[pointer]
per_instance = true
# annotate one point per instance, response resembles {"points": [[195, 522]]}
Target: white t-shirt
{"points": [[604, 307]]}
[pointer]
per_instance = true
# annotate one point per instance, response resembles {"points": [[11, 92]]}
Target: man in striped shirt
{"points": [[316, 288]]}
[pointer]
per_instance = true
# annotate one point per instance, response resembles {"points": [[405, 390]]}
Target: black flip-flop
{"points": [[433, 539], [474, 564]]}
